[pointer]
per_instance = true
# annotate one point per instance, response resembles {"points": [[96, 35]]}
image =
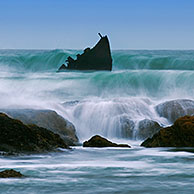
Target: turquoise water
{"points": [[46, 60], [93, 170], [95, 102]]}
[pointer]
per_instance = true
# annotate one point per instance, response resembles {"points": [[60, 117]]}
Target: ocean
{"points": [[96, 102]]}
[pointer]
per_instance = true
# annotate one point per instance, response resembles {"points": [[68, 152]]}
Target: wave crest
{"points": [[51, 60]]}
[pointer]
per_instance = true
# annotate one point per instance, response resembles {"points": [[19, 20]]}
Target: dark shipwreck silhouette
{"points": [[97, 58]]}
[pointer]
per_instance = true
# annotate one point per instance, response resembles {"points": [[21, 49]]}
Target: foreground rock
{"points": [[98, 141], [147, 128], [10, 174], [97, 58], [174, 109], [47, 119], [16, 137], [181, 134]]}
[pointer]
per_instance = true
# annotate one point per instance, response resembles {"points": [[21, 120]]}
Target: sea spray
{"points": [[108, 117], [97, 102]]}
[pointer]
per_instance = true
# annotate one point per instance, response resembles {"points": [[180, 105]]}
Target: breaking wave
{"points": [[101, 102], [51, 60]]}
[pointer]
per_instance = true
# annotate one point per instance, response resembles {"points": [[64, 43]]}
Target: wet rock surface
{"points": [[181, 134], [127, 127], [174, 109], [16, 137], [10, 174], [48, 119], [147, 128], [98, 141]]}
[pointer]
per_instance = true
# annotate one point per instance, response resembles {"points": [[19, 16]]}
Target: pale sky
{"points": [[74, 24]]}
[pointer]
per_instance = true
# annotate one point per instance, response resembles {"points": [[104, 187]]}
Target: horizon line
{"points": [[117, 49]]}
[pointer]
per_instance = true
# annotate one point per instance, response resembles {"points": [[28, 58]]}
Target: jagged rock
{"points": [[16, 137], [10, 174], [174, 109], [181, 134], [127, 127], [147, 128], [48, 119], [98, 141], [97, 58]]}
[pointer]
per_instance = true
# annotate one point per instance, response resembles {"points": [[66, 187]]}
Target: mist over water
{"points": [[104, 170], [96, 102], [99, 103]]}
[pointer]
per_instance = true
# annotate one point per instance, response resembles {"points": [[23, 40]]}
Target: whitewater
{"points": [[96, 103]]}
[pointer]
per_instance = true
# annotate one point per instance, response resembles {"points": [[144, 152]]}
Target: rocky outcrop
{"points": [[98, 141], [16, 137], [47, 119], [10, 174], [142, 130], [174, 109], [181, 134], [127, 127], [147, 128], [97, 58]]}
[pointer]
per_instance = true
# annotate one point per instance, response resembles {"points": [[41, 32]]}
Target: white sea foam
{"points": [[97, 102]]}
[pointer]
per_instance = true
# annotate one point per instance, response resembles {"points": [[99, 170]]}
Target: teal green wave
{"points": [[51, 60]]}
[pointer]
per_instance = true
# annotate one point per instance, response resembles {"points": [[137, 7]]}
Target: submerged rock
{"points": [[174, 109], [97, 58], [98, 141], [127, 127], [48, 119], [10, 174], [16, 137], [181, 134], [147, 128], [142, 130]]}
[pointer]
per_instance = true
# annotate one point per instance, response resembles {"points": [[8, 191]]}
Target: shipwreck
{"points": [[97, 58]]}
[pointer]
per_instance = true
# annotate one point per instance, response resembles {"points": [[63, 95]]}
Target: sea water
{"points": [[94, 102]]}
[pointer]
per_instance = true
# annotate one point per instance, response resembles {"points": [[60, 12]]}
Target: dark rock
{"points": [[174, 109], [127, 127], [98, 141], [47, 119], [97, 58], [147, 128], [10, 174], [63, 67], [181, 134], [17, 137]]}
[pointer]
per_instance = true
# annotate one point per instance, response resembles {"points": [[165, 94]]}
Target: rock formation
{"points": [[10, 174], [16, 137], [48, 119], [181, 134], [97, 58], [142, 130], [174, 109], [127, 127], [147, 128], [98, 141]]}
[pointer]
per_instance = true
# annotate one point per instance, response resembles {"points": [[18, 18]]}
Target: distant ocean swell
{"points": [[41, 60], [97, 102], [145, 90]]}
